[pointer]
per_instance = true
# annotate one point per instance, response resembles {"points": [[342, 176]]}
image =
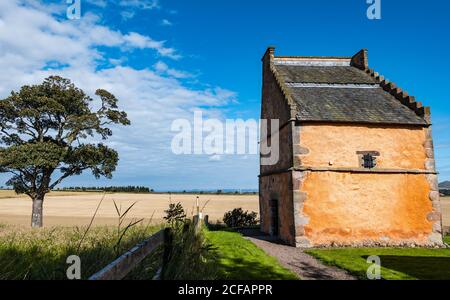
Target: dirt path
{"points": [[306, 266]]}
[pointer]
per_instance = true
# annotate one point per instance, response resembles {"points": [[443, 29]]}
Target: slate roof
{"points": [[322, 74], [342, 94], [365, 105]]}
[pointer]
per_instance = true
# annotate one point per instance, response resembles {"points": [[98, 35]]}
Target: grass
{"points": [[396, 263], [447, 239], [220, 255], [191, 257], [239, 259], [42, 253]]}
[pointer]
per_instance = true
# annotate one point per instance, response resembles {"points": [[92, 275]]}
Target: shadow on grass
{"points": [[420, 267], [241, 269], [237, 258]]}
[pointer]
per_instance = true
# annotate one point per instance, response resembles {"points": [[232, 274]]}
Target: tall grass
{"points": [[191, 257], [41, 254]]}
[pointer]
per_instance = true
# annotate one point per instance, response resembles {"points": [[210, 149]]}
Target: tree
{"points": [[43, 132]]}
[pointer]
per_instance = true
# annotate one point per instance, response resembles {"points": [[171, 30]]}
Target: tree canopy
{"points": [[44, 130]]}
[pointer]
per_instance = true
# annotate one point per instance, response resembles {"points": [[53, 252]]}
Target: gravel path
{"points": [[306, 266]]}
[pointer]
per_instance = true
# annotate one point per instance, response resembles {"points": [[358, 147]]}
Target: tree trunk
{"points": [[36, 216]]}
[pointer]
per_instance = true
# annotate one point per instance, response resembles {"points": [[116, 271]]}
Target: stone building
{"points": [[356, 164]]}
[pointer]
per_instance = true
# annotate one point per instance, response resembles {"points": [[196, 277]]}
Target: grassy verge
{"points": [[240, 259], [396, 263], [41, 254], [216, 255]]}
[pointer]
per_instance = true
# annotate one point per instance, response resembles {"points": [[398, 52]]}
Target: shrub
{"points": [[238, 218], [175, 214]]}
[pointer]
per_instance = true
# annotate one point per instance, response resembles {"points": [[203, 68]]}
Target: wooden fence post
{"points": [[168, 244]]}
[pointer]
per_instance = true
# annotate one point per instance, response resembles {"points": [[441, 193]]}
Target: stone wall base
{"points": [[303, 244]]}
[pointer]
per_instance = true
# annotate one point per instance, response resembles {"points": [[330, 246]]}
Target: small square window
{"points": [[368, 159]]}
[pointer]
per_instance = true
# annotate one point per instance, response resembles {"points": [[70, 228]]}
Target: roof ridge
{"points": [[313, 57], [401, 95]]}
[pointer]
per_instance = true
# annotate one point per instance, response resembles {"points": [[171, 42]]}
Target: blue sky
{"points": [[163, 59]]}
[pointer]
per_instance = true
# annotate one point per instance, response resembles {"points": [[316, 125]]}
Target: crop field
{"points": [[75, 209], [445, 203]]}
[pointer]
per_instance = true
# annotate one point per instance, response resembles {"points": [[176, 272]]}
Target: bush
{"points": [[238, 218], [175, 215]]}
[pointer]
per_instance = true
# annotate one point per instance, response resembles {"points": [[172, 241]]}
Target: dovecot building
{"points": [[356, 164]]}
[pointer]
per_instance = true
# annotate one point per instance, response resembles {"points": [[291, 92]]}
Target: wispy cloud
{"points": [[99, 3], [141, 4], [128, 8], [166, 22], [126, 15], [138, 4], [163, 68], [35, 45]]}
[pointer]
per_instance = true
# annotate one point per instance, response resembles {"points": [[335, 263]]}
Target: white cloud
{"points": [[141, 4], [32, 39], [126, 15], [163, 68], [165, 22], [128, 7], [99, 3], [138, 4]]}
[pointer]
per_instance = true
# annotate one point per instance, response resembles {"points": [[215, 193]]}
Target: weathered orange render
{"points": [[345, 208], [348, 207], [324, 196]]}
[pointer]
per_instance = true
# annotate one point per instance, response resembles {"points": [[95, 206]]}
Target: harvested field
{"points": [[11, 194], [445, 203], [74, 209]]}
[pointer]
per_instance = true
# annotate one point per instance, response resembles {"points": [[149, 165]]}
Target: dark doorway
{"points": [[274, 217]]}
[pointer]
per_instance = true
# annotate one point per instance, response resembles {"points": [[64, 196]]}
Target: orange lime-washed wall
{"points": [[343, 206], [400, 148]]}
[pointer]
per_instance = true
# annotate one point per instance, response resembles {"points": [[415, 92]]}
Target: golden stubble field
{"points": [[75, 209], [445, 203]]}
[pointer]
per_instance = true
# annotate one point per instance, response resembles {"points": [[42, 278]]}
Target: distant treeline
{"points": [[112, 189], [217, 192], [445, 192], [143, 189]]}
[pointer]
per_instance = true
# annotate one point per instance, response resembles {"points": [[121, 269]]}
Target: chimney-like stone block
{"points": [[360, 60]]}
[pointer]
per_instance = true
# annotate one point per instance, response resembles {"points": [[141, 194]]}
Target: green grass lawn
{"points": [[240, 259], [396, 263], [41, 253], [447, 239]]}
